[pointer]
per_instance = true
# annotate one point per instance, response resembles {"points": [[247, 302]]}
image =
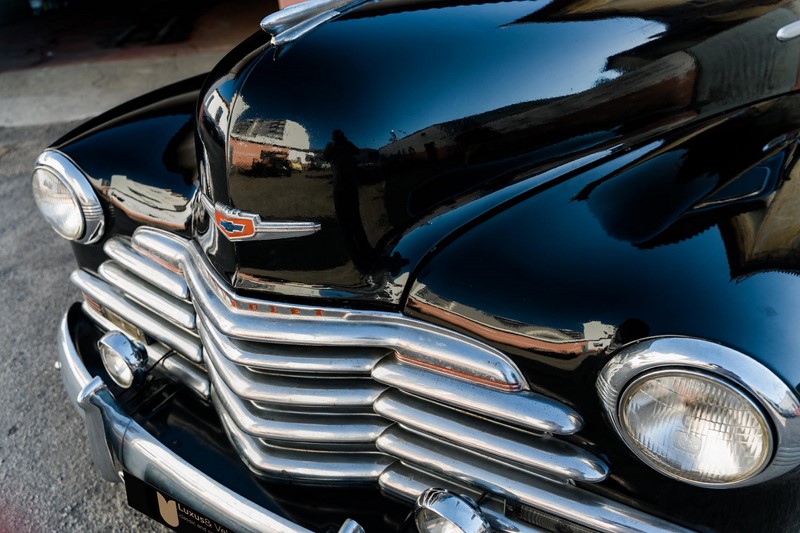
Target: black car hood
{"points": [[385, 124]]}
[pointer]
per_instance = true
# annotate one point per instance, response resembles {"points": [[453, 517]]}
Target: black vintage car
{"points": [[530, 266]]}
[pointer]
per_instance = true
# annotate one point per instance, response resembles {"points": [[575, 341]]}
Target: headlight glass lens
{"points": [[58, 204], [695, 428]]}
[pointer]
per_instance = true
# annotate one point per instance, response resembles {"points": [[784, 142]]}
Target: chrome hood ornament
{"points": [[293, 22]]}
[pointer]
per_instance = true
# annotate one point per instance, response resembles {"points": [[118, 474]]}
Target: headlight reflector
{"points": [[58, 204], [694, 427]]}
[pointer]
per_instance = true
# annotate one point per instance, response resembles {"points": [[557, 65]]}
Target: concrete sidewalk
{"points": [[80, 79]]}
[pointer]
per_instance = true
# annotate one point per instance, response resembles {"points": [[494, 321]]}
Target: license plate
{"points": [[166, 510]]}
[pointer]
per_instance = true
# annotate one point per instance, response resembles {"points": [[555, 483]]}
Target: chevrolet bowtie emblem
{"points": [[242, 226]]}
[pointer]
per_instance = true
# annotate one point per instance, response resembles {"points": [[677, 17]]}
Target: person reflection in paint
{"points": [[343, 157]]}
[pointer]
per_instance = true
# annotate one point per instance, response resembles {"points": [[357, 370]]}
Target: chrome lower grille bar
{"points": [[548, 456], [298, 392], [406, 484], [176, 311], [306, 465], [524, 409], [176, 338], [179, 369], [278, 425], [560, 499]]}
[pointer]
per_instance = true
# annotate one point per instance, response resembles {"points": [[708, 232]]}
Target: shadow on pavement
{"points": [[91, 30]]}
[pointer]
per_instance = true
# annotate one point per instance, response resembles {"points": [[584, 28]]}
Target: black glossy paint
{"points": [[694, 233], [444, 102], [140, 158], [537, 163]]}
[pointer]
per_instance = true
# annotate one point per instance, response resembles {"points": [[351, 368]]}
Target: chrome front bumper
{"points": [[118, 443]]}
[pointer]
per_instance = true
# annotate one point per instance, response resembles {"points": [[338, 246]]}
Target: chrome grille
{"points": [[339, 396]]}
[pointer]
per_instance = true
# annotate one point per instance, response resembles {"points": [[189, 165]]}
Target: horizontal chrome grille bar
{"points": [[275, 322], [559, 499], [545, 455], [524, 409], [165, 306], [292, 359], [278, 425], [305, 465], [405, 483], [176, 338], [178, 368], [334, 394], [169, 282]]}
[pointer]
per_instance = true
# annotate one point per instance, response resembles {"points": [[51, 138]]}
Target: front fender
{"points": [[691, 234], [140, 159]]}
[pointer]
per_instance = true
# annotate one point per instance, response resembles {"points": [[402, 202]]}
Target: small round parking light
{"points": [[441, 511], [124, 360]]}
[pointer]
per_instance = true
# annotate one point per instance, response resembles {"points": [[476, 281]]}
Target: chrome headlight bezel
{"points": [[776, 400], [81, 191]]}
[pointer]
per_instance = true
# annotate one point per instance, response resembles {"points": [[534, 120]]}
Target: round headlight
{"points": [[58, 204], [694, 427], [67, 199]]}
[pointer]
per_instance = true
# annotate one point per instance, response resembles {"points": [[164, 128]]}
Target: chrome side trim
{"points": [[778, 399], [176, 311], [171, 283], [126, 445], [93, 215], [550, 457], [259, 320], [525, 409], [297, 427], [560, 499], [174, 366], [305, 465], [289, 359], [98, 290], [789, 32]]}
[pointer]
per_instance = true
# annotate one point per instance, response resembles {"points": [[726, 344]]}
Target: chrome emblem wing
{"points": [[242, 226]]}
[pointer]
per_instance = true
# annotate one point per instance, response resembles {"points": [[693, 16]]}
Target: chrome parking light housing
{"points": [[684, 376], [441, 511], [82, 219], [124, 360]]}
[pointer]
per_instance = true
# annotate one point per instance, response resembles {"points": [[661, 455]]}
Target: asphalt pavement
{"points": [[47, 481]]}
